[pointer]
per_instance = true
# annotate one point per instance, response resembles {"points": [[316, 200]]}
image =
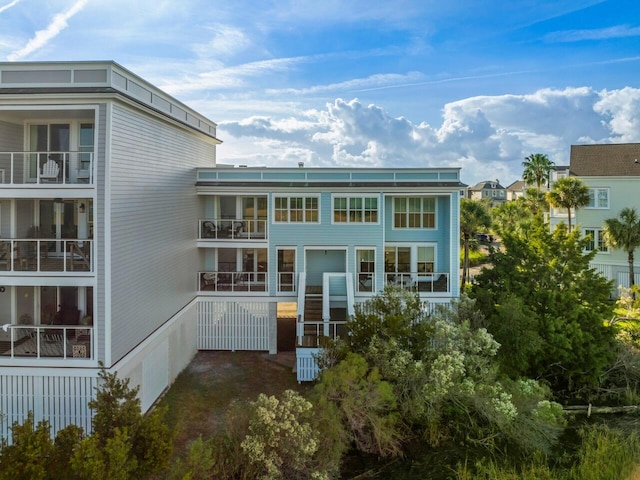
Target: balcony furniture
{"points": [[83, 176], [50, 171], [209, 279], [209, 230]]}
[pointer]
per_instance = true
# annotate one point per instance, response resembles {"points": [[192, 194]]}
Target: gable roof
{"points": [[606, 160], [517, 186]]}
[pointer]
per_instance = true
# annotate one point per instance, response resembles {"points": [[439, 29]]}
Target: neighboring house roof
{"points": [[517, 186], [487, 185], [605, 160]]}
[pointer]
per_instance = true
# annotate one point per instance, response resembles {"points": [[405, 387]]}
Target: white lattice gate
{"points": [[233, 325]]}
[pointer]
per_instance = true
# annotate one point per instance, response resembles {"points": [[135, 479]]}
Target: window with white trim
{"points": [[366, 267], [414, 212], [596, 240], [598, 198], [355, 209], [296, 210], [286, 269], [425, 259]]}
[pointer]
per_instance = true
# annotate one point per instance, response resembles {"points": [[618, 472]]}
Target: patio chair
{"points": [[50, 171], [209, 230]]}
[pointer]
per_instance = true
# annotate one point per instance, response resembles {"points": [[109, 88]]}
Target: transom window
{"points": [[355, 209], [414, 212], [296, 209], [596, 240], [598, 198]]}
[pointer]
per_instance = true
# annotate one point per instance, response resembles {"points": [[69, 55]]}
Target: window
{"points": [[355, 209], [414, 212], [296, 209], [397, 259], [366, 264], [286, 269], [425, 259], [598, 198], [595, 240]]}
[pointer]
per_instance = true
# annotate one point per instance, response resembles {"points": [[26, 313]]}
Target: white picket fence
{"points": [[306, 366], [62, 400], [233, 325]]}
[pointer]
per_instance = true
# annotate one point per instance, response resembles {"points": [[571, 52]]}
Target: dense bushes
{"points": [[124, 444]]}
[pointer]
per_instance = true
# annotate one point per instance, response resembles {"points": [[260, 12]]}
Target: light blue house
{"points": [[324, 239], [123, 245]]}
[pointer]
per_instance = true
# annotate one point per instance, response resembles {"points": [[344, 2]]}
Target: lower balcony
{"points": [[46, 255], [45, 341], [422, 282]]}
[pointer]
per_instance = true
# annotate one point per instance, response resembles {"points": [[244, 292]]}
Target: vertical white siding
{"points": [[233, 325], [60, 399]]}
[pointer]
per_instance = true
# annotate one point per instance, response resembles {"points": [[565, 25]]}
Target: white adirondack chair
{"points": [[50, 171]]}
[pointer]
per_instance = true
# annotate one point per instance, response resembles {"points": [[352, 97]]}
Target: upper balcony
{"points": [[46, 168], [231, 229]]}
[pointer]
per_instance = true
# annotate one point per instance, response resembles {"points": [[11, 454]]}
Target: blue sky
{"points": [[477, 85]]}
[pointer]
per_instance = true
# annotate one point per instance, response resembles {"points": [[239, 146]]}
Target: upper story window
{"points": [[596, 240], [355, 209], [296, 209], [414, 212], [598, 198]]}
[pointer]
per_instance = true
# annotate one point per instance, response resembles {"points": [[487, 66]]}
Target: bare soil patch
{"points": [[202, 393]]}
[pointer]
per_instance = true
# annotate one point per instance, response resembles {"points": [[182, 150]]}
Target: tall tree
{"points": [[537, 167], [569, 193], [547, 307], [535, 201], [624, 232], [473, 216]]}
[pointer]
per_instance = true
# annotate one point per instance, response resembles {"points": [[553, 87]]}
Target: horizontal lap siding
{"points": [[233, 325], [62, 400], [153, 223]]}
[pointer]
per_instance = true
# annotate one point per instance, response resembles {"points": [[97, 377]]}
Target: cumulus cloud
{"points": [[42, 37], [488, 137]]}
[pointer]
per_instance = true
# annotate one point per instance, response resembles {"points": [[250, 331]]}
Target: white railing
{"points": [[47, 341], [350, 296], [232, 229], [46, 255], [302, 286], [286, 282], [46, 168], [313, 334], [420, 281], [223, 281]]}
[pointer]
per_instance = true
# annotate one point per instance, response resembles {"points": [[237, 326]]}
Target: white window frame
{"points": [[422, 212], [594, 192], [293, 249], [359, 285], [289, 209], [363, 210], [413, 255], [599, 244]]}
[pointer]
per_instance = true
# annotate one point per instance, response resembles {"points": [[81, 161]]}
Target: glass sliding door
{"points": [[48, 142]]}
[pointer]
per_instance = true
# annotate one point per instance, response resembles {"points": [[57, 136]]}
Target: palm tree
{"points": [[535, 201], [568, 192], [537, 167], [624, 232], [473, 216]]}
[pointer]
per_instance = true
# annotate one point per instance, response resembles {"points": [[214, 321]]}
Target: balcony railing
{"points": [[287, 282], [46, 168], [314, 334], [419, 281], [229, 229], [46, 255], [36, 341], [232, 281]]}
